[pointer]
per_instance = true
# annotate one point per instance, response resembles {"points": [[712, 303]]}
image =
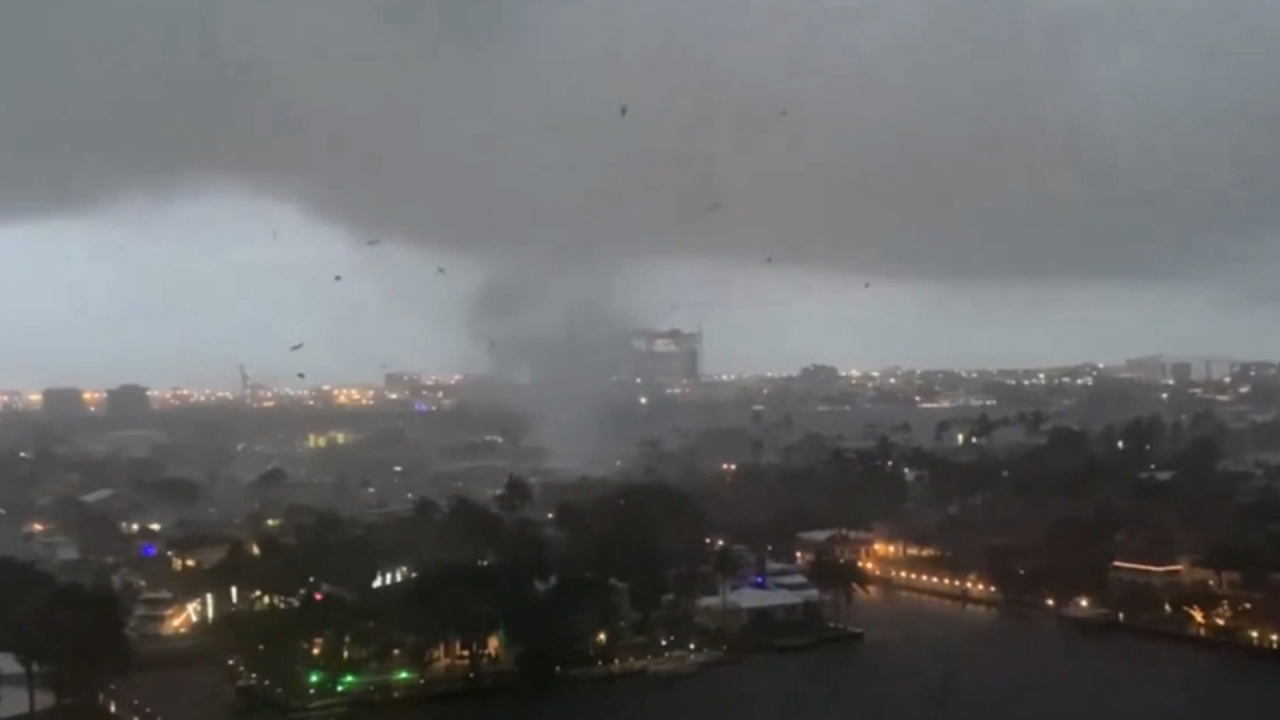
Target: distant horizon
{"points": [[1197, 362], [916, 185]]}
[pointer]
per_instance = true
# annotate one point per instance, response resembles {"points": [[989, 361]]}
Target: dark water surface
{"points": [[926, 658]]}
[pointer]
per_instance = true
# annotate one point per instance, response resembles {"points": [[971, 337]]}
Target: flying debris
{"points": [[295, 348], [623, 111], [493, 344], [374, 241], [783, 113], [439, 270], [715, 206], [867, 286], [337, 278], [768, 261], [302, 375]]}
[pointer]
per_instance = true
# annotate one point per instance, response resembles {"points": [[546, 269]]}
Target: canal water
{"points": [[924, 658]]}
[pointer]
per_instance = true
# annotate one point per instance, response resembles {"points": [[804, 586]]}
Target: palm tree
{"points": [[28, 652], [24, 589], [1035, 422], [80, 634], [885, 449], [940, 430], [515, 496], [984, 428], [726, 564], [823, 573], [684, 591], [835, 579]]}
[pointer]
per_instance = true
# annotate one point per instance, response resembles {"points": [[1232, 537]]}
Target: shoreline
{"points": [[425, 692], [1147, 631]]}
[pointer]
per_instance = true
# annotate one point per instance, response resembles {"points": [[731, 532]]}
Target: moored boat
{"points": [[678, 663]]}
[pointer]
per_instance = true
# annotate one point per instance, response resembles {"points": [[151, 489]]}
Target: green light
{"points": [[403, 675], [314, 677], [347, 680]]}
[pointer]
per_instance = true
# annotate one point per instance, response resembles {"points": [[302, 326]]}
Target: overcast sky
{"points": [[1020, 182]]}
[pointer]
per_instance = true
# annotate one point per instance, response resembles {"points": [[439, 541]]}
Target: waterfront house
{"points": [[759, 611], [1169, 570], [845, 544]]}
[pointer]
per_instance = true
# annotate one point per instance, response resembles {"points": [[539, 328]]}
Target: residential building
{"points": [[64, 403], [1170, 571], [666, 357], [845, 544], [128, 402], [1180, 372], [402, 383], [752, 609]]}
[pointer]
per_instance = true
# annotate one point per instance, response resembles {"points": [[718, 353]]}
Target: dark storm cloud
{"points": [[922, 137]]}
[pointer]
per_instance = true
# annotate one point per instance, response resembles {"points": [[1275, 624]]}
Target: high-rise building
{"points": [[12, 400], [64, 402], [402, 383], [1180, 372], [1249, 372], [666, 357], [128, 402], [1151, 368]]}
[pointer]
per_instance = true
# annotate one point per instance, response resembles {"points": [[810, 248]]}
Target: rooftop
{"points": [[752, 598]]}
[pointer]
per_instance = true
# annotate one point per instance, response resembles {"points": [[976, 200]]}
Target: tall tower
{"points": [[698, 367]]}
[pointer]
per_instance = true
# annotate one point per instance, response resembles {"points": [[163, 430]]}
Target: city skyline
{"points": [[806, 183]]}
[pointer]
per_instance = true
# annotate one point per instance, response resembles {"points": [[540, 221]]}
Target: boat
{"points": [[1084, 616], [678, 663], [603, 671], [1081, 612], [1090, 615], [841, 633], [709, 657]]}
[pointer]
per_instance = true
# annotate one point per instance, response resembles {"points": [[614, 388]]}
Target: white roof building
{"points": [[751, 598], [97, 496], [821, 536], [796, 584]]}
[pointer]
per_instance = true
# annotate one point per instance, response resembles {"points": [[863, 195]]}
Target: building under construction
{"points": [[666, 357]]}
